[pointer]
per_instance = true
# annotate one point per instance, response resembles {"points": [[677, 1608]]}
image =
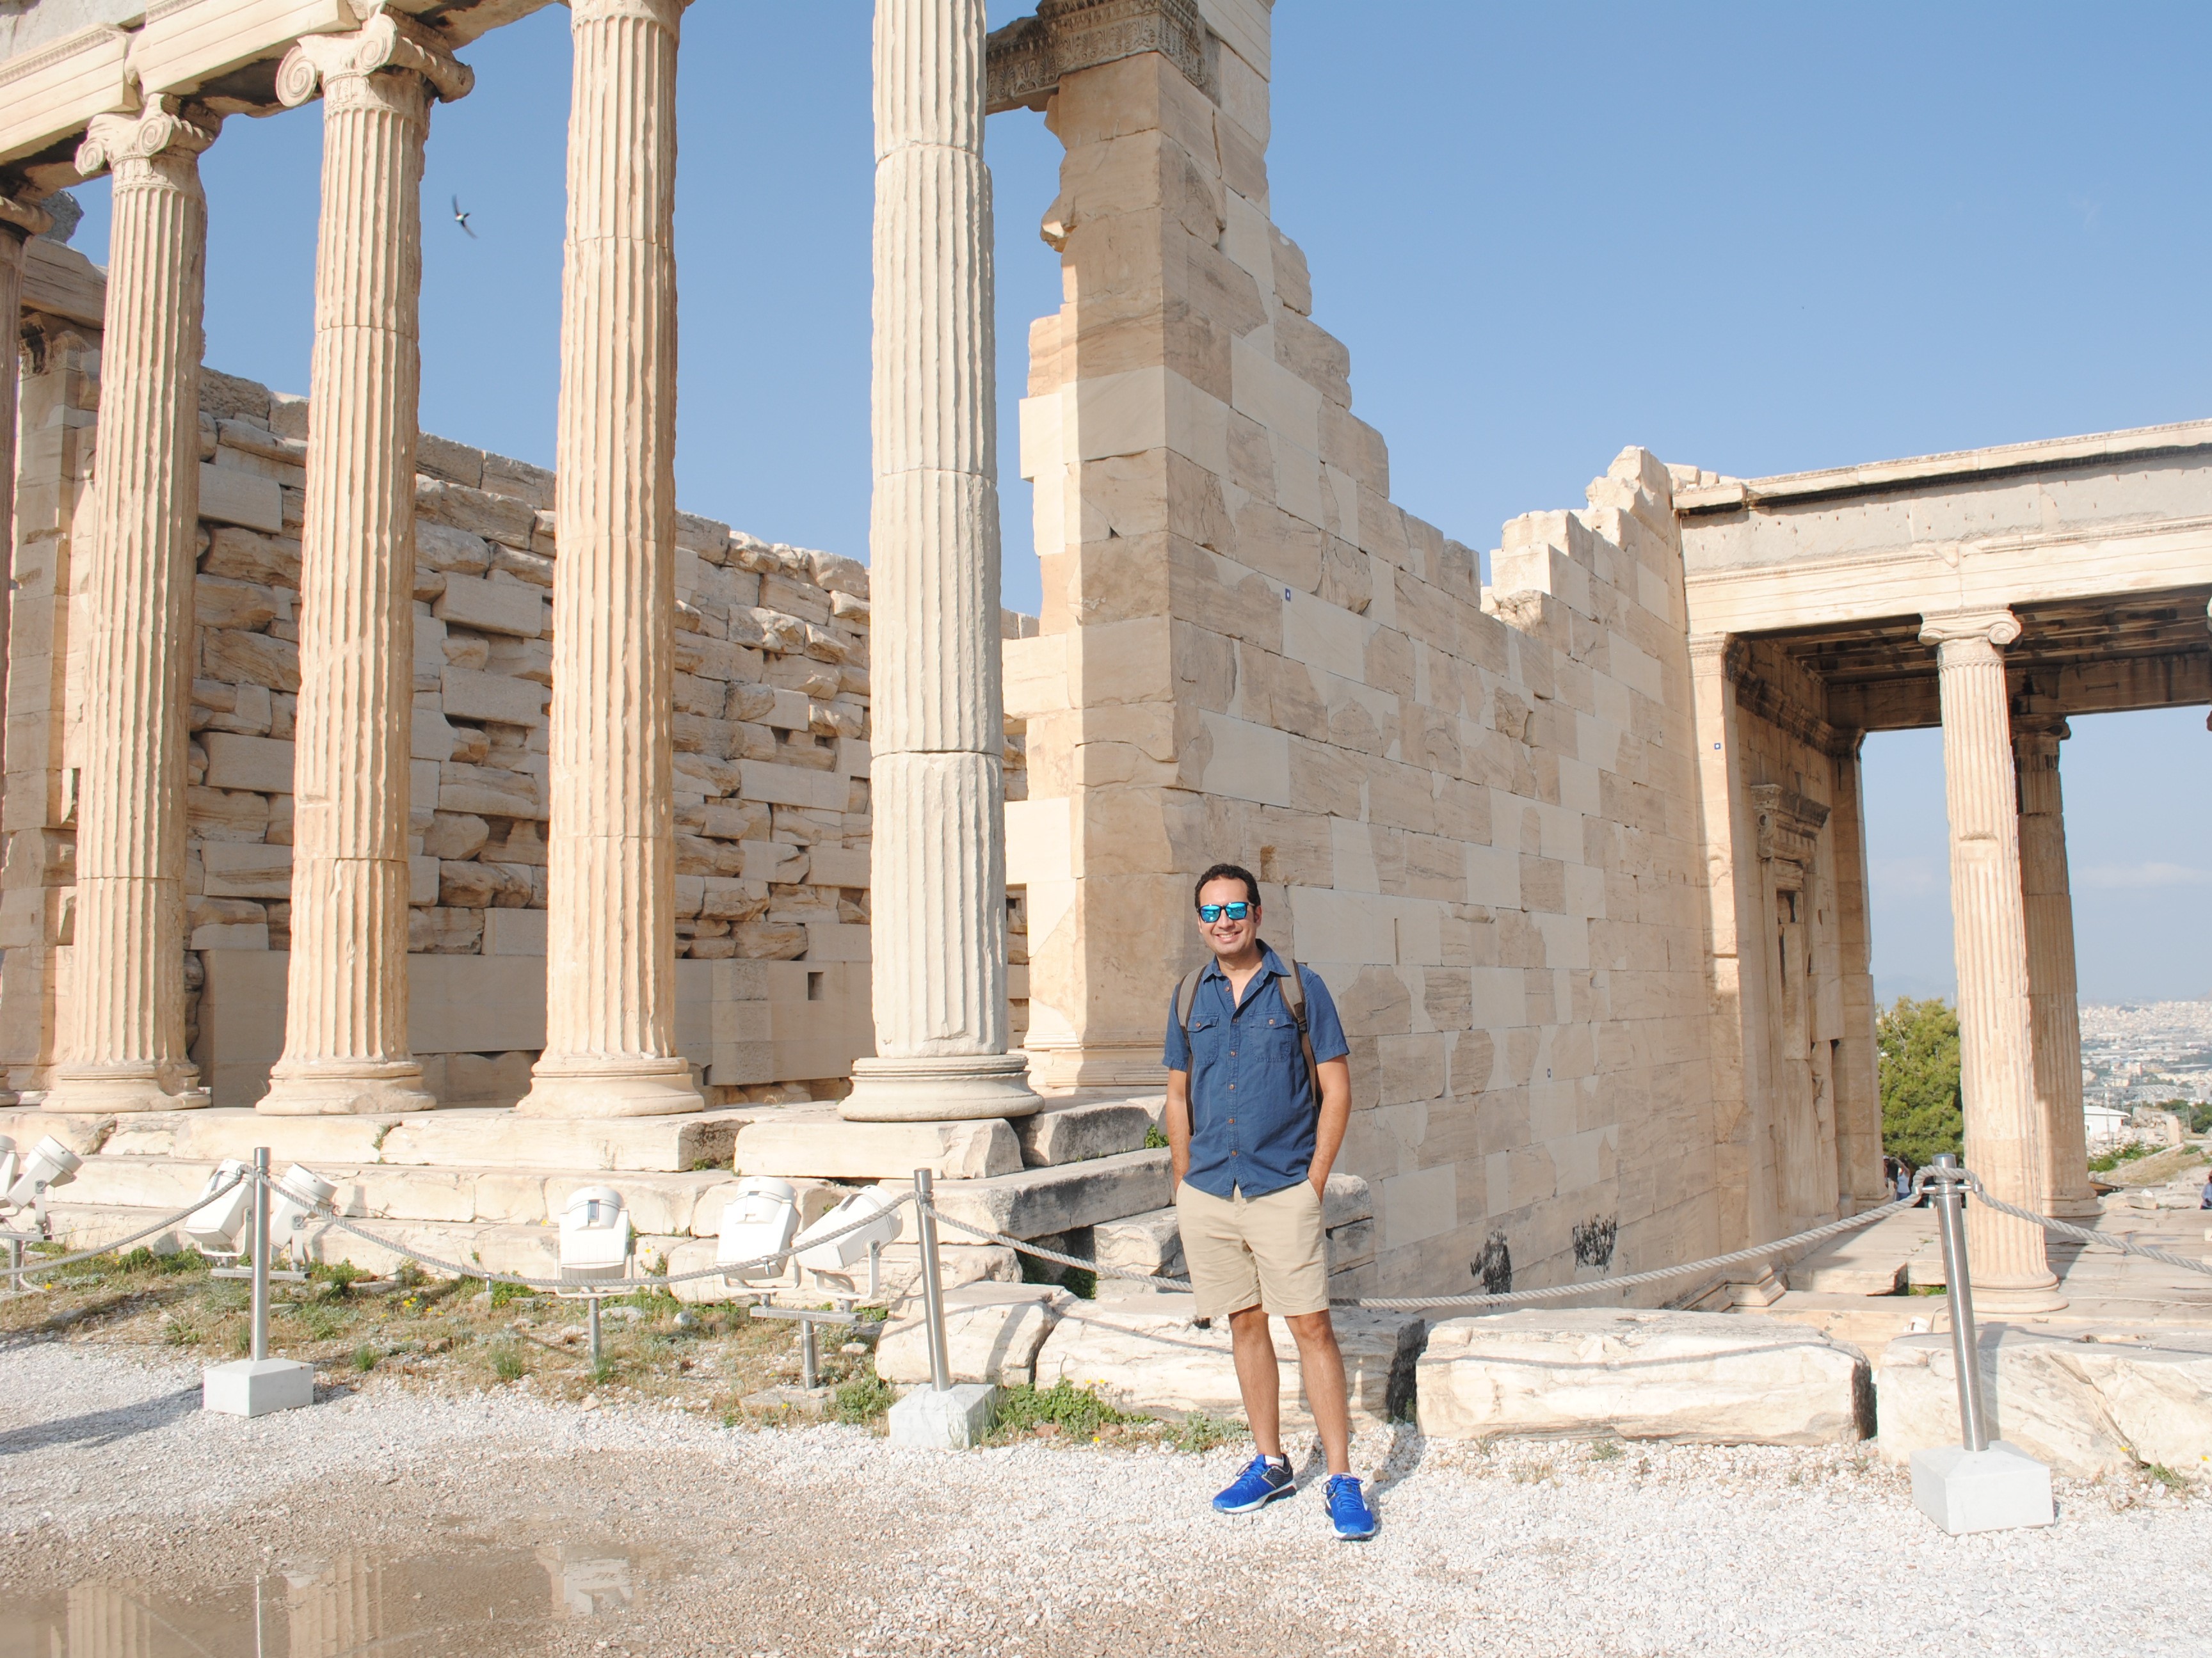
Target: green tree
{"points": [[1920, 1115]]}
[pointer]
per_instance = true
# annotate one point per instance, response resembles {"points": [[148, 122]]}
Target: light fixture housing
{"points": [[49, 1164], [835, 1256], [759, 1220], [288, 1215], [596, 1235], [217, 1227]]}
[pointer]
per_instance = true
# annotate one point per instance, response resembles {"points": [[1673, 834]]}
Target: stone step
{"points": [[819, 1143], [1040, 1201], [456, 1138], [1077, 1130], [679, 1204]]}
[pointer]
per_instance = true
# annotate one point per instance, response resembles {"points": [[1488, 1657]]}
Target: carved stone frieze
{"points": [[1789, 825], [1025, 61], [1757, 695]]}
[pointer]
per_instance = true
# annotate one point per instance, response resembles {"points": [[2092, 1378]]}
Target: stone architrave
{"points": [[126, 1050], [610, 966], [936, 789], [2004, 1128], [346, 1030], [2053, 1007]]}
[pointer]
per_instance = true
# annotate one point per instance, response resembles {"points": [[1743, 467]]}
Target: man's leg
{"points": [[1320, 1365], [1258, 1379]]}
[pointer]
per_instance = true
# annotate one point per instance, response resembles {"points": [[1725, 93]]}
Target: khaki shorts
{"points": [[1254, 1252]]}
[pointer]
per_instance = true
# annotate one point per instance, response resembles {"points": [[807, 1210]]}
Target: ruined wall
{"points": [[1475, 813], [770, 768]]}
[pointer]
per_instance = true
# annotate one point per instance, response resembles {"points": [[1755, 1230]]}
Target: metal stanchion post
{"points": [[933, 1288], [1978, 1485], [260, 1253], [1950, 1197]]}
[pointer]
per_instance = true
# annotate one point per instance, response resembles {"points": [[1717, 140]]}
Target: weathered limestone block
{"points": [[1150, 1242], [823, 1145], [1037, 1201], [1074, 1133], [1148, 1356], [992, 1333], [2087, 1405], [1708, 1378]]}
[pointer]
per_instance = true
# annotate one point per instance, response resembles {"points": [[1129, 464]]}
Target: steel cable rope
{"points": [[2083, 1234], [55, 1263], [1414, 1303], [720, 1270]]}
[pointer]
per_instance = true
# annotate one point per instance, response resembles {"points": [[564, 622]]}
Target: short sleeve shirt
{"points": [[1253, 1112]]}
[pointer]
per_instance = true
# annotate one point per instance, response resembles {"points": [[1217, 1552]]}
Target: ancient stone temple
{"points": [[472, 831]]}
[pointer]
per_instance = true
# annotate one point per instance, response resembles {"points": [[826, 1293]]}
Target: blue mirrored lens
{"points": [[1211, 913]]}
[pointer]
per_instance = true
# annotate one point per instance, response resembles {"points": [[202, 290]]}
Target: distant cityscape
{"points": [[2145, 1054]]}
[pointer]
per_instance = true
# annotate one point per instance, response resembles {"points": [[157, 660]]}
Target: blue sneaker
{"points": [[1348, 1510], [1260, 1483]]}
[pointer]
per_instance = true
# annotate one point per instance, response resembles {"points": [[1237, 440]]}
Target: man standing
{"points": [[1259, 1093]]}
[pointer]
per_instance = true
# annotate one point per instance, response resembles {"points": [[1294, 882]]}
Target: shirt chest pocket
{"points": [[1209, 1039]]}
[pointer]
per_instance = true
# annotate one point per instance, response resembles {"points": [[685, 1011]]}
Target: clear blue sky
{"points": [[1757, 239]]}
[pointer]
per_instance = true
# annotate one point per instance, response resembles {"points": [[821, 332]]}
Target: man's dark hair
{"points": [[1228, 872]]}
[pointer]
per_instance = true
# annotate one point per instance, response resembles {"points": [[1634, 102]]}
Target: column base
{"points": [[2074, 1208], [345, 1089], [590, 1085], [126, 1088], [948, 1088], [1997, 1299]]}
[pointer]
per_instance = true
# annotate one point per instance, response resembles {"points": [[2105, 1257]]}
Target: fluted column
{"points": [[2054, 1009], [345, 1028], [2004, 1129], [126, 1009], [611, 967], [20, 221], [936, 789]]}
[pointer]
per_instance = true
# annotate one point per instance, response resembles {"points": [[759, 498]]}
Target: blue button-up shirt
{"points": [[1253, 1108]]}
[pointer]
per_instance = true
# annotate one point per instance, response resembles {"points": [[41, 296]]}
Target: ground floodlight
{"points": [[835, 1256], [217, 1225], [49, 1164], [7, 1163], [294, 1201], [759, 1221], [595, 1234]]}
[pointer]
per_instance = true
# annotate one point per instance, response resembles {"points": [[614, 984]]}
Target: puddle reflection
{"points": [[480, 1602]]}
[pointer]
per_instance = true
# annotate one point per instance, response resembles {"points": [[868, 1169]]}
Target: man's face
{"points": [[1223, 936]]}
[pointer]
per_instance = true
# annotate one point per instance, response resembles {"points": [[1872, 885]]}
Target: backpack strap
{"points": [[1294, 998], [1186, 998]]}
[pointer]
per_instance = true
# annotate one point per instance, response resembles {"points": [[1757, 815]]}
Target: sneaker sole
{"points": [[1356, 1536], [1254, 1508]]}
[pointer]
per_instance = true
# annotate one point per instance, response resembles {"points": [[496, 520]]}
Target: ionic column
{"points": [[2054, 1010], [936, 790], [345, 1029], [2004, 1129], [19, 221], [611, 967], [126, 1044]]}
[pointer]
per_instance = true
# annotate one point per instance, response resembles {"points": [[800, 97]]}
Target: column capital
{"points": [[23, 219], [667, 14], [1998, 627], [385, 41], [168, 125], [1710, 650], [2040, 733]]}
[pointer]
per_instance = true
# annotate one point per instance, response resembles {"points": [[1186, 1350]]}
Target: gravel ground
{"points": [[827, 1540]]}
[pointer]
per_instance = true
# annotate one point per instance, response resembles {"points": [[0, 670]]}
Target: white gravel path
{"points": [[827, 1540]]}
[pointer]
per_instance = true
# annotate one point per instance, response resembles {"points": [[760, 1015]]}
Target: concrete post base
{"points": [[939, 1090], [255, 1386], [952, 1420], [2001, 1489]]}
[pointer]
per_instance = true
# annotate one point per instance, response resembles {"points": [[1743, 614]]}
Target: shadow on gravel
{"points": [[102, 1427], [1398, 1463]]}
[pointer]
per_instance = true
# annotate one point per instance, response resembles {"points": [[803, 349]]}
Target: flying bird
{"points": [[461, 218]]}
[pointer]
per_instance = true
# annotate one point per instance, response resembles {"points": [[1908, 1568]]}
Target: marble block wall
{"points": [[1474, 810]]}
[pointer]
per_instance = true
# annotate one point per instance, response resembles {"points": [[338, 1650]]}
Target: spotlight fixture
{"points": [[838, 1256], [217, 1227], [295, 1200], [596, 1236], [759, 1221], [49, 1164]]}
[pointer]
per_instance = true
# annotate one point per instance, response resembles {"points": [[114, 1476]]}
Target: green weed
{"points": [[1155, 1140], [863, 1399], [1199, 1432], [364, 1359], [503, 1293], [180, 1334], [603, 1372], [2165, 1477], [1076, 1411], [506, 1361], [1606, 1450]]}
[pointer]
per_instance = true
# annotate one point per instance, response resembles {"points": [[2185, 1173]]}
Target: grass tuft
{"points": [[1200, 1433], [863, 1400], [1606, 1450], [506, 1361], [1076, 1411], [364, 1359]]}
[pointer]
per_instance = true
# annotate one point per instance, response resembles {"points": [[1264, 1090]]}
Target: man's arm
{"points": [[1336, 1117], [1177, 1120]]}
